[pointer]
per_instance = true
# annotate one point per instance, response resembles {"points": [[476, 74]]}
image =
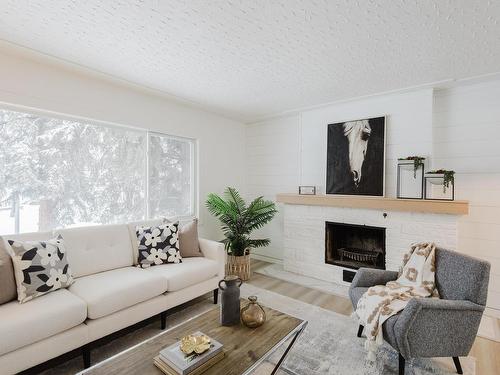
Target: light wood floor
{"points": [[486, 352]]}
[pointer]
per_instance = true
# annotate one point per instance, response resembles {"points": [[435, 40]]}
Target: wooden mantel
{"points": [[376, 203]]}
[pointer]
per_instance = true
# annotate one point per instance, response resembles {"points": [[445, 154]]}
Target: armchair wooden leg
{"points": [[360, 330], [163, 319], [86, 355], [216, 296], [401, 365], [458, 366]]}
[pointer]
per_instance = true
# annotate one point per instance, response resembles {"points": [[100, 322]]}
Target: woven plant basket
{"points": [[239, 266]]}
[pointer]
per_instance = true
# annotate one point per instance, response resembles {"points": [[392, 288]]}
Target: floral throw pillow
{"points": [[40, 267], [158, 244]]}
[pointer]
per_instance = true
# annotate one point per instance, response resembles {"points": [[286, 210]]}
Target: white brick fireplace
{"points": [[304, 235]]}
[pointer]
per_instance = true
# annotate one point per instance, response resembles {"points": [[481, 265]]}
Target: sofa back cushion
{"points": [[8, 289], [461, 277], [97, 248]]}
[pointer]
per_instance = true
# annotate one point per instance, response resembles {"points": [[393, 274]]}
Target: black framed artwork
{"points": [[356, 157]]}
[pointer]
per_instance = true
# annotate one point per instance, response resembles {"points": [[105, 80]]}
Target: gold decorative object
{"points": [[197, 344], [253, 315]]}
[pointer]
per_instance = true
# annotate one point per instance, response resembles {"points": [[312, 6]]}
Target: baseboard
{"points": [[266, 258]]}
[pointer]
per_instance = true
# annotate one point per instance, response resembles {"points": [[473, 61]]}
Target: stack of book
{"points": [[172, 361]]}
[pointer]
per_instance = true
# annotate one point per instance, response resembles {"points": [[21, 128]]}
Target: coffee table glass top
{"points": [[245, 348]]}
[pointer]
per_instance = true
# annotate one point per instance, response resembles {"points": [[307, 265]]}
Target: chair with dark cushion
{"points": [[429, 327]]}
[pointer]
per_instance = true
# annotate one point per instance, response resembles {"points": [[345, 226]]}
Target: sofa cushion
{"points": [[8, 290], [191, 271], [158, 244], [97, 248], [132, 227], [23, 324], [40, 267], [111, 291]]}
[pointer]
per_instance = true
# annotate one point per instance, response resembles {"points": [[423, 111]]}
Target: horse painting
{"points": [[358, 134], [355, 157]]}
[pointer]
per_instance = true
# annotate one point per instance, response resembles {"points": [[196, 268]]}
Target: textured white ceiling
{"points": [[252, 58]]}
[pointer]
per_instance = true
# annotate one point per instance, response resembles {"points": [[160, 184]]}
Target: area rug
{"points": [[328, 345]]}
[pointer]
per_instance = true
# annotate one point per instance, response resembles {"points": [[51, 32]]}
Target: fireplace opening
{"points": [[354, 246]]}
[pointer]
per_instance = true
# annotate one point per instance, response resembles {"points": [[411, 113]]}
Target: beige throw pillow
{"points": [[8, 290], [188, 240]]}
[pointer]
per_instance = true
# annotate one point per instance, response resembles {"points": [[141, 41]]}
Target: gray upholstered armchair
{"points": [[445, 327]]}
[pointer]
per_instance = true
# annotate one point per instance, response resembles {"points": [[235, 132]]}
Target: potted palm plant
{"points": [[238, 222]]}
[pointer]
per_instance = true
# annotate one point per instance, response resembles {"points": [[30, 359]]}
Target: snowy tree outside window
{"points": [[58, 172], [170, 176]]}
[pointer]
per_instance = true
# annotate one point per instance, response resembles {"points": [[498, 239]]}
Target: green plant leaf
{"points": [[259, 243]]}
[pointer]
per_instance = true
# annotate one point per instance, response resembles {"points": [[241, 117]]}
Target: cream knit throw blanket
{"points": [[380, 302]]}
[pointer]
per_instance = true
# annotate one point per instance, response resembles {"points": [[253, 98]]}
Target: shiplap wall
{"points": [[456, 128], [273, 166], [466, 131]]}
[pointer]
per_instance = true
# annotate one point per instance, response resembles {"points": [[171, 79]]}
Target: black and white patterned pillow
{"points": [[40, 267], [158, 244]]}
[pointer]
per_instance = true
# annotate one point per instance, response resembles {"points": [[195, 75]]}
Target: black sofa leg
{"points": [[401, 365], [458, 366], [86, 355], [163, 319], [360, 330], [216, 296]]}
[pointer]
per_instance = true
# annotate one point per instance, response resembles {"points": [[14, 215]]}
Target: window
{"points": [[170, 176], [59, 173]]}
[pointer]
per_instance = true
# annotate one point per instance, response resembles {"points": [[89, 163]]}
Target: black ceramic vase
{"points": [[230, 300]]}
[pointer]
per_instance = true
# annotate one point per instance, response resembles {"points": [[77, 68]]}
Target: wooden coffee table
{"points": [[245, 348]]}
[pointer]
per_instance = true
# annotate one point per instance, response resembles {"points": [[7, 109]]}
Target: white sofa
{"points": [[109, 294]]}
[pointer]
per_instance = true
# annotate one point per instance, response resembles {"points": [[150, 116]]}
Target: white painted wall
{"points": [[34, 81], [458, 128]]}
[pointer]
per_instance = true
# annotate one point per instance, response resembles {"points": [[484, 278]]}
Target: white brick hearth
{"points": [[304, 235]]}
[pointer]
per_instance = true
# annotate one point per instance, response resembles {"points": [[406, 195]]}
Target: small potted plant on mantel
{"points": [[415, 161], [440, 177], [238, 222], [408, 188], [447, 176]]}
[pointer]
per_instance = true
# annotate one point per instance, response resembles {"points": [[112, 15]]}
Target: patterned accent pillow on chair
{"points": [[158, 244], [40, 267]]}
